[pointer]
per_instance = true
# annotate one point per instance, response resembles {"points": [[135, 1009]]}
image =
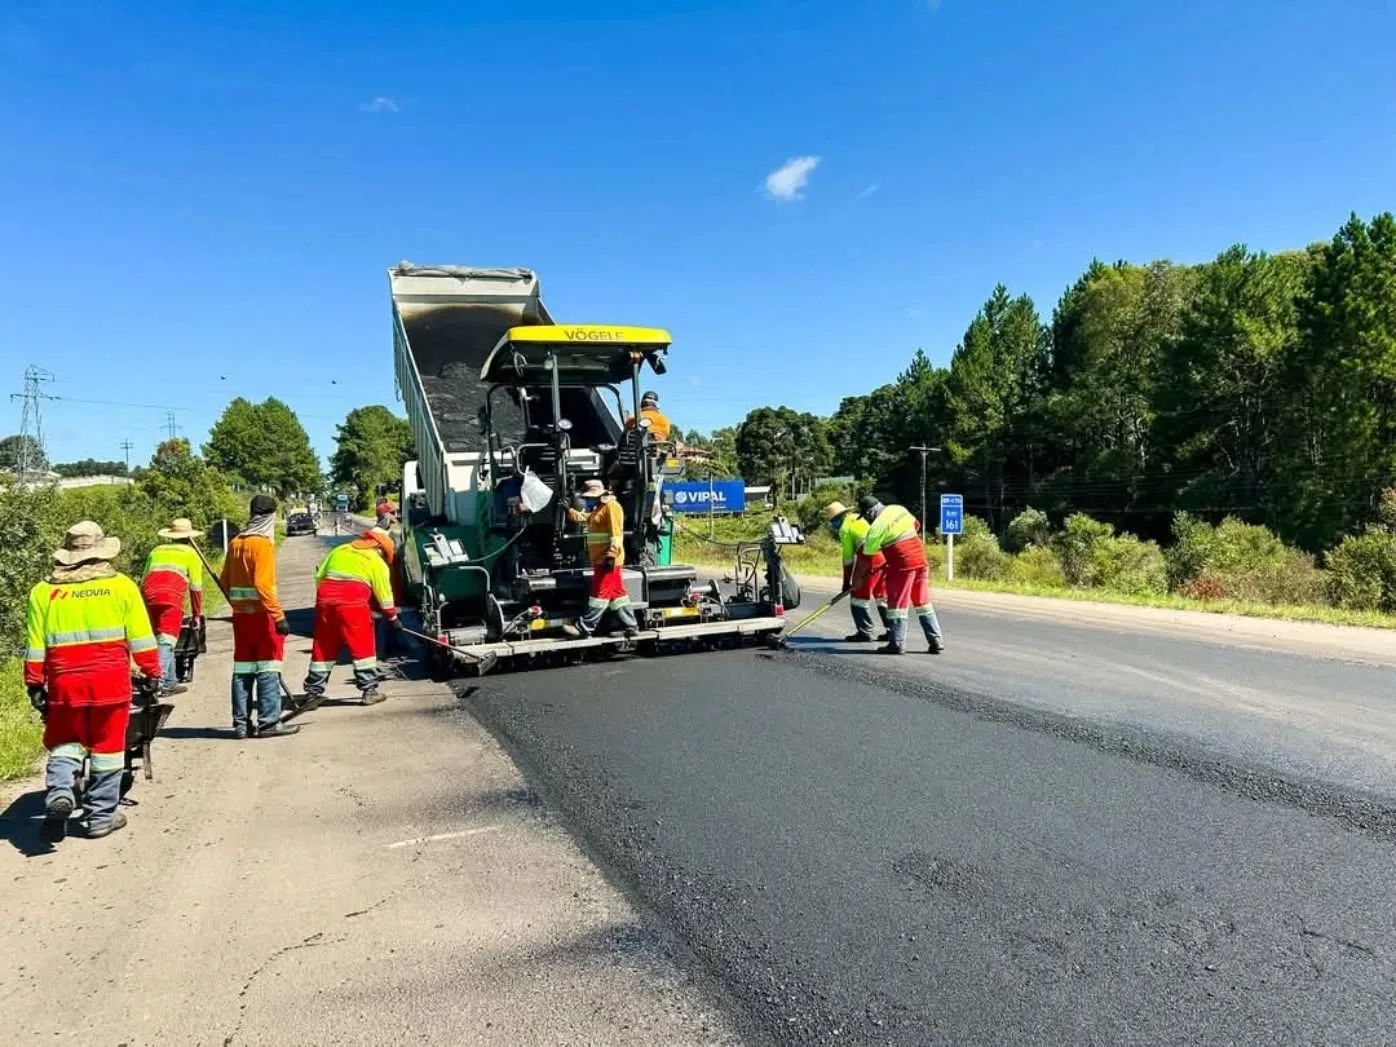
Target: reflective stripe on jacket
{"points": [[894, 523], [81, 637], [354, 574], [171, 571], [605, 530], [249, 576]]}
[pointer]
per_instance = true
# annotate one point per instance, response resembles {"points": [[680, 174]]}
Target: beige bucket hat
{"points": [[834, 509], [180, 527], [84, 541], [593, 489]]}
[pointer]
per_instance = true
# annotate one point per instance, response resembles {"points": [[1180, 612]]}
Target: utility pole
{"points": [[126, 446], [924, 451], [31, 425], [171, 426]]}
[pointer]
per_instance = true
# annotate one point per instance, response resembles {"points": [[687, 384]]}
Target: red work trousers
{"points": [[340, 625], [166, 619], [257, 646], [97, 728]]}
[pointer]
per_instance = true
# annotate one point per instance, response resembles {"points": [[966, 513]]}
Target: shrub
{"points": [[1362, 571], [1239, 561], [1037, 565], [1075, 547], [977, 552], [1124, 564], [1029, 528]]}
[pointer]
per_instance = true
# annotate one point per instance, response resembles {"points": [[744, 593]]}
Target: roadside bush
{"points": [[1029, 528], [1124, 564], [1075, 547], [977, 553], [1239, 561], [1362, 571], [1037, 565]]}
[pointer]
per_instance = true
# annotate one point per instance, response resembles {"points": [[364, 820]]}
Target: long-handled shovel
{"points": [[807, 619], [483, 662]]}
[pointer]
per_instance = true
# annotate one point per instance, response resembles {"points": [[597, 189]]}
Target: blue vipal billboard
{"points": [[701, 496]]}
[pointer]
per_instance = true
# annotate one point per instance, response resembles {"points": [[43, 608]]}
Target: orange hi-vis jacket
{"points": [[355, 574], [660, 426], [171, 570], [605, 530], [82, 637], [249, 576]]}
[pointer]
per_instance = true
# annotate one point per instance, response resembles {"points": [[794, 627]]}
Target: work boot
{"points": [[278, 730], [309, 702], [936, 648], [884, 636], [891, 648], [371, 696], [240, 733], [568, 629], [170, 692], [858, 638], [55, 825], [118, 821]]}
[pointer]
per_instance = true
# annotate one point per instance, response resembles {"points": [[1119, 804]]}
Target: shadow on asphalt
{"points": [[19, 824]]}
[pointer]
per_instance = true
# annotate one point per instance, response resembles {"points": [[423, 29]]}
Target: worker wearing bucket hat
{"points": [[173, 573], [86, 623]]}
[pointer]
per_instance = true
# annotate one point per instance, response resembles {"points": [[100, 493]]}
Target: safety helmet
{"points": [[869, 507]]}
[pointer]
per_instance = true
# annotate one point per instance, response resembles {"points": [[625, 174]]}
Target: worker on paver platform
{"points": [[348, 582], [85, 624], [173, 572], [895, 533], [660, 426], [850, 528], [259, 624], [605, 523]]}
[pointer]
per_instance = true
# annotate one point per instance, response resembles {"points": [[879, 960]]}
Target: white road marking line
{"points": [[446, 836]]}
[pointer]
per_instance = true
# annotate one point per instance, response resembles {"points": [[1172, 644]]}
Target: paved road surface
{"points": [[376, 879], [1055, 833]]}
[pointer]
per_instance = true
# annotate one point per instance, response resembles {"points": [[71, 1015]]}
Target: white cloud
{"points": [[381, 104], [869, 190], [786, 181]]}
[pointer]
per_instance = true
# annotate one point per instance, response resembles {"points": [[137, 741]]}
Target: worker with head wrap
{"points": [[896, 534], [259, 624], [605, 523]]}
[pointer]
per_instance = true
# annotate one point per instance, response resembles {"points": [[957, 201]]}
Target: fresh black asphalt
{"points": [[867, 854]]}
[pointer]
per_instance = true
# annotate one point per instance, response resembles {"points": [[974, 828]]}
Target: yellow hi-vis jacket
{"points": [[605, 529], [851, 534], [171, 570], [893, 524], [355, 574], [82, 636]]}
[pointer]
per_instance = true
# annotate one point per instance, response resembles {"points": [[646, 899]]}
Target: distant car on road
{"points": [[299, 522]]}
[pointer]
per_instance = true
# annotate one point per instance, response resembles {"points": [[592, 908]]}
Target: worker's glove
{"points": [[396, 623], [38, 697], [609, 563], [283, 627], [579, 503]]}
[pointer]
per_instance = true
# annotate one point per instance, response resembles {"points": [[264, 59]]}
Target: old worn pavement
{"points": [[386, 876]]}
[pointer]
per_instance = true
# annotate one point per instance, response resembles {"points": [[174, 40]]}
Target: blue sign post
{"points": [[952, 522]]}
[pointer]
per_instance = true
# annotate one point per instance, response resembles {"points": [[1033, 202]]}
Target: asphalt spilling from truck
{"points": [[857, 859]]}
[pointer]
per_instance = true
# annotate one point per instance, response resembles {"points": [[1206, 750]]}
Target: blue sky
{"points": [[201, 201]]}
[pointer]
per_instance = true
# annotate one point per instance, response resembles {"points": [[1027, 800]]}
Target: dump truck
{"points": [[511, 413]]}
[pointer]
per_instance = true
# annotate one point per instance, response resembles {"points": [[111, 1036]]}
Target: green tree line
{"points": [[1257, 386]]}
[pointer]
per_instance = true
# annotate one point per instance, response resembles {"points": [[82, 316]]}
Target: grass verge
{"points": [[815, 560], [21, 733]]}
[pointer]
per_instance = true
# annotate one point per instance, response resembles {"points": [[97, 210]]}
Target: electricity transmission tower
{"points": [[171, 426], [126, 446], [31, 425]]}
